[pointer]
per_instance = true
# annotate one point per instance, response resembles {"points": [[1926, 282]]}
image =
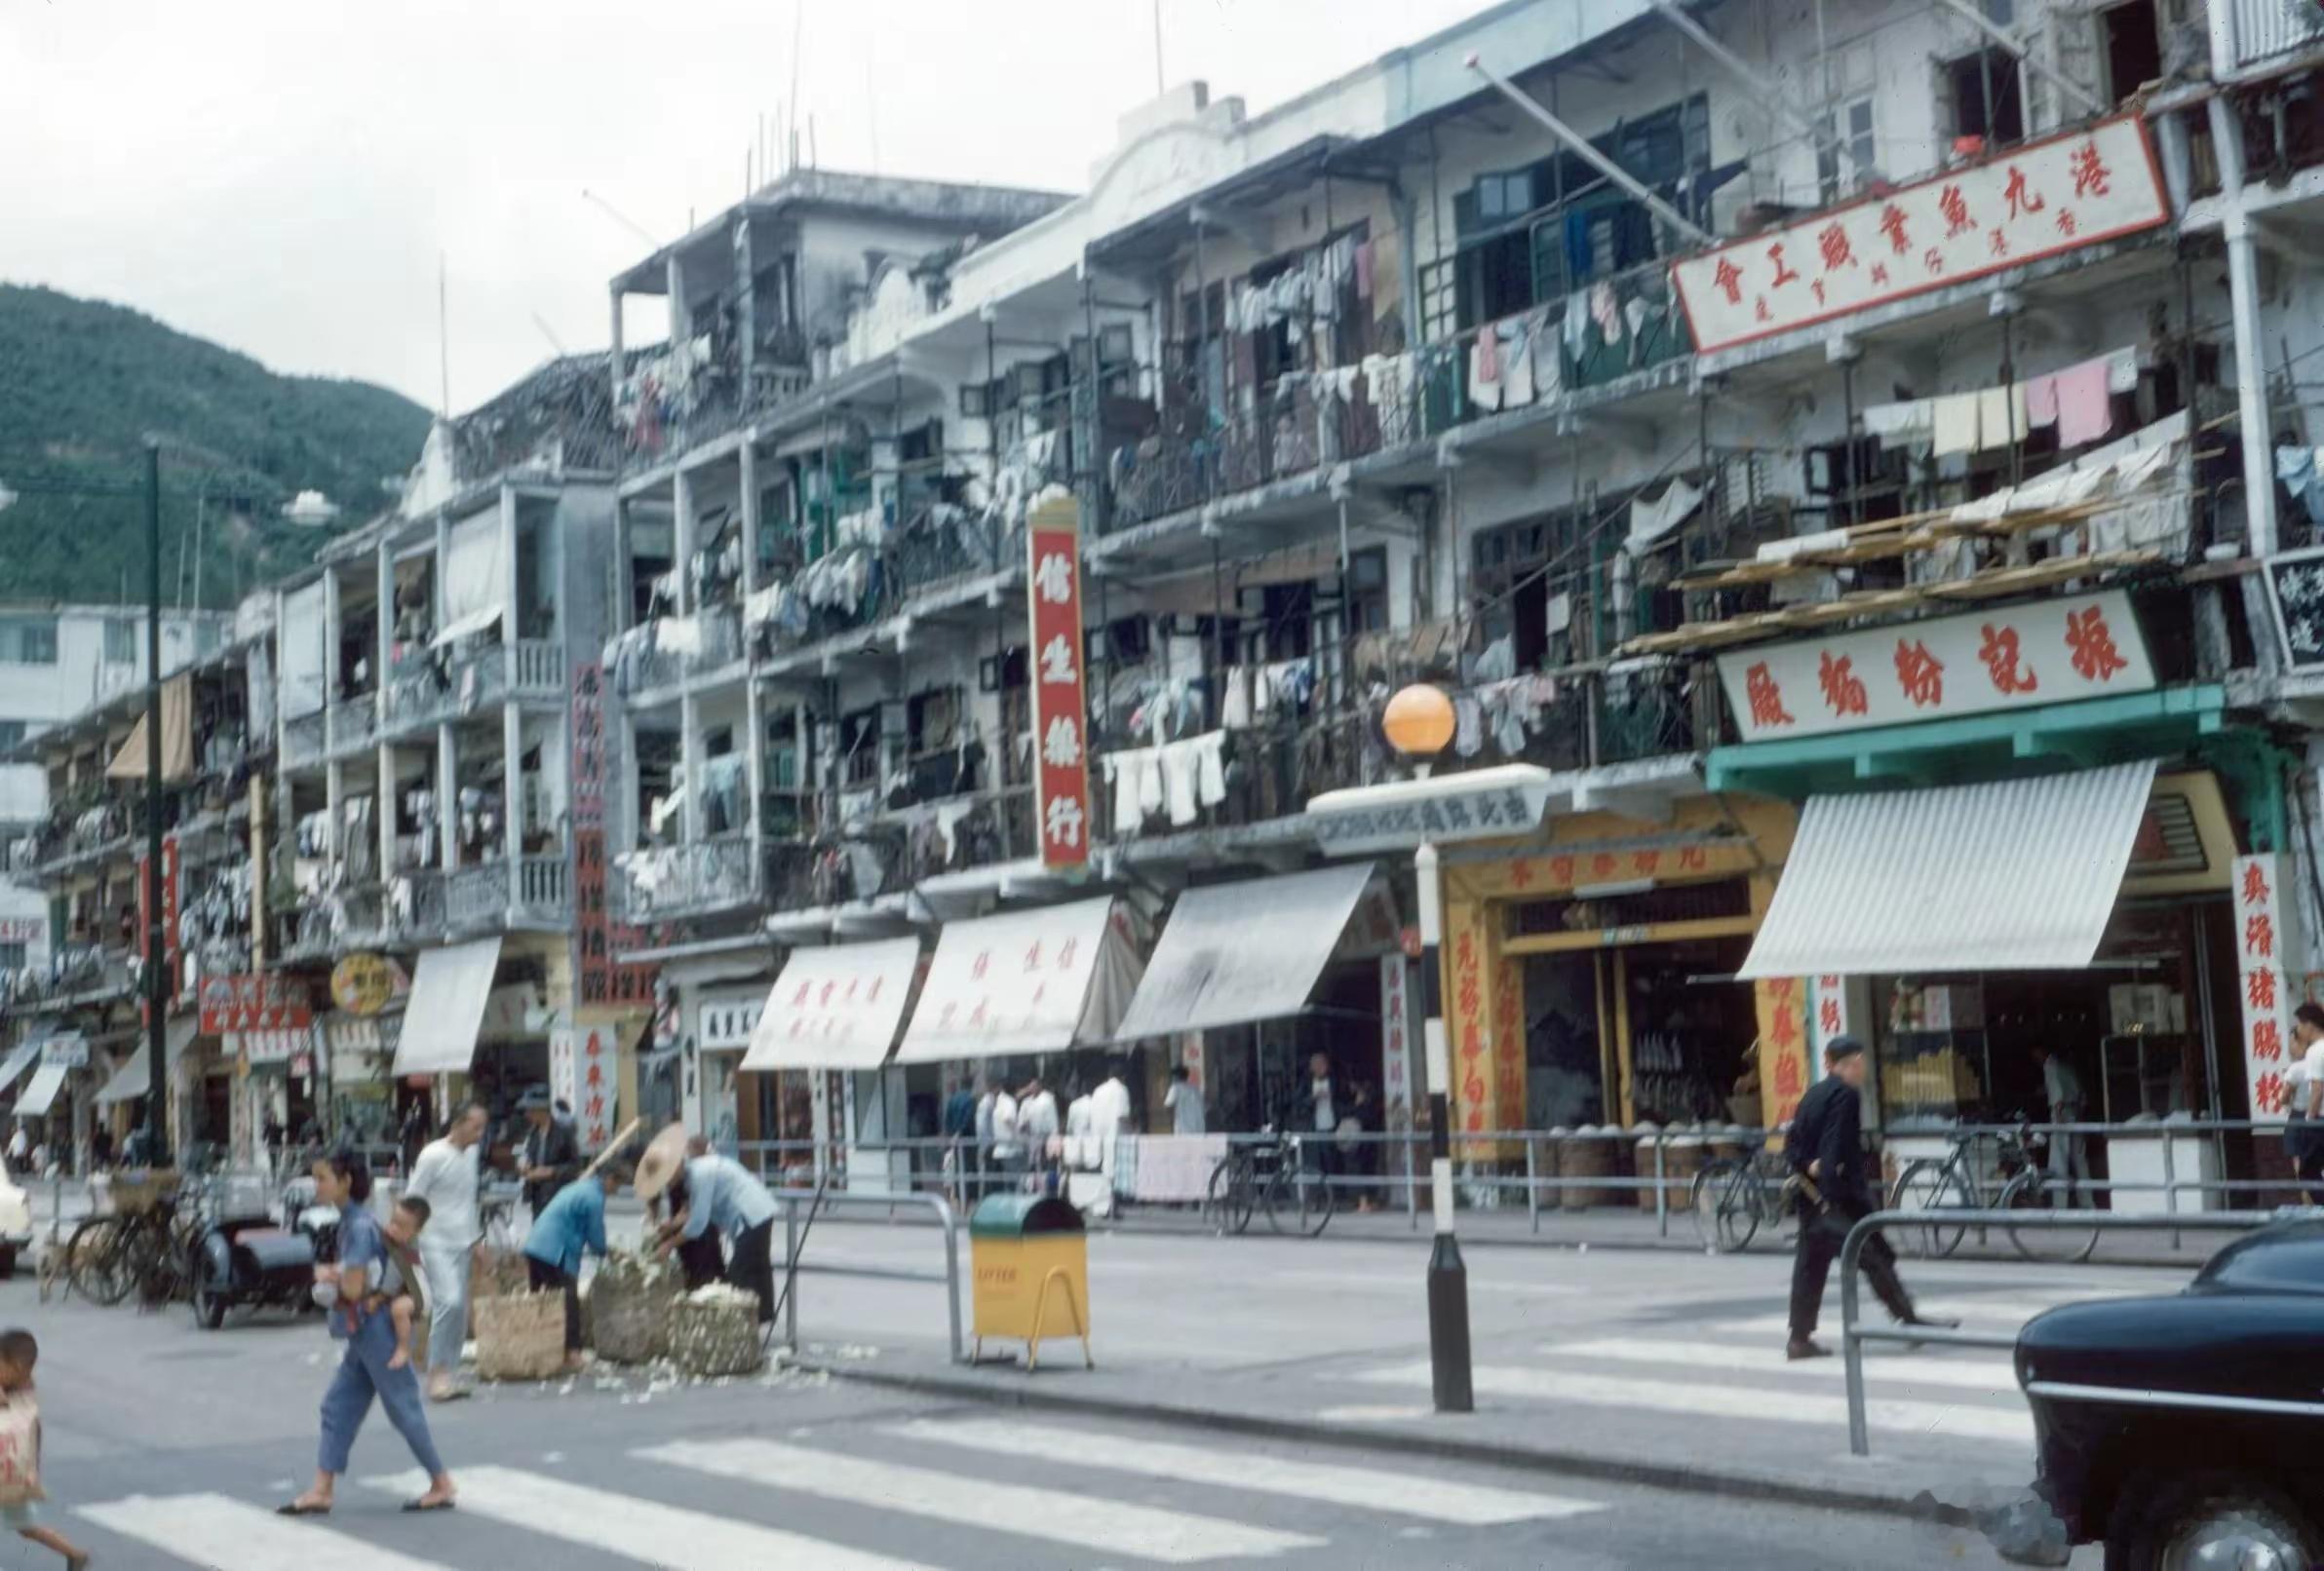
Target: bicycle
{"points": [[1733, 1198], [144, 1245], [1953, 1182], [1240, 1186]]}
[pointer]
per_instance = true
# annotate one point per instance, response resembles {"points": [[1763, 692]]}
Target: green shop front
{"points": [[2018, 833]]}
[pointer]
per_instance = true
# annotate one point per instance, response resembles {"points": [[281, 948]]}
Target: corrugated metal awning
{"points": [[130, 1081], [41, 1091], [836, 1009], [2004, 875], [449, 988], [1234, 953], [1029, 981]]}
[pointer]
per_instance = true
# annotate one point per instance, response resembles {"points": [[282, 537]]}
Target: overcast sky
{"points": [[281, 174]]}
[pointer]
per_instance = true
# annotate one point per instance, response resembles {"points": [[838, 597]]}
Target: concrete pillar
{"points": [[384, 817], [384, 643], [330, 662], [680, 319], [746, 309], [2250, 353], [508, 556], [443, 554], [512, 741], [447, 796], [682, 540], [754, 710], [689, 730]]}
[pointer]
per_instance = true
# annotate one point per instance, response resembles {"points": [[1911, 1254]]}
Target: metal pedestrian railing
{"points": [[1854, 1335], [824, 1199]]}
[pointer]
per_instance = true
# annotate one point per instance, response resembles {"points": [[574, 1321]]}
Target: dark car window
{"points": [[2278, 1260]]}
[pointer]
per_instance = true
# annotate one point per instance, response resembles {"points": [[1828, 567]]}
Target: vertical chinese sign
{"points": [[1395, 1047], [603, 983], [581, 1065], [1468, 1023], [171, 975], [1060, 709], [1508, 1048], [1784, 1070], [2263, 956]]}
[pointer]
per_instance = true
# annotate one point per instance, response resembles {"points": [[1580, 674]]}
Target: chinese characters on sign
{"points": [[603, 983], [2029, 203], [1785, 1073], [168, 883], [581, 1075], [2262, 958], [1396, 1048], [2003, 657], [269, 1003], [2295, 585], [1061, 768], [1453, 812]]}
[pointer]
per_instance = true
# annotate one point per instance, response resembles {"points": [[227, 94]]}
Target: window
{"points": [[1838, 170], [121, 641], [1367, 591], [28, 640], [12, 732], [1986, 98], [2133, 48]]}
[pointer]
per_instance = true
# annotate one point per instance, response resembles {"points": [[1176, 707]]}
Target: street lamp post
{"points": [[157, 992], [1418, 722]]}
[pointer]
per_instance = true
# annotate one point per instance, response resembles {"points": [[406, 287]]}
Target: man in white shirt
{"points": [[1110, 1105], [1008, 1155], [446, 1177], [1036, 1121], [2306, 1134], [1183, 1103], [2070, 1154]]}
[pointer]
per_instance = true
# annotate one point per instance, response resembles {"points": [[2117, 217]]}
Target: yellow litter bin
{"points": [[1030, 1258]]}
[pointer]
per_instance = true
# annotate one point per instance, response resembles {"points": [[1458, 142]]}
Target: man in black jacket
{"points": [[552, 1155], [1826, 1144]]}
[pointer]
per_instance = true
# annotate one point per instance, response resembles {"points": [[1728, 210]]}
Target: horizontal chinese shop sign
{"points": [[2031, 202], [2003, 657]]}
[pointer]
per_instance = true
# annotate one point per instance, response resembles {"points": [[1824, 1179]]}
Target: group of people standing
{"points": [[1007, 1138], [424, 1255]]}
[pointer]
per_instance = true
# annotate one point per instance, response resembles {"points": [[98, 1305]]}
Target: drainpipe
{"points": [[2251, 365]]}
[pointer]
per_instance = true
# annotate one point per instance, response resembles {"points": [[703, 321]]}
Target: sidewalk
{"points": [[1640, 1366]]}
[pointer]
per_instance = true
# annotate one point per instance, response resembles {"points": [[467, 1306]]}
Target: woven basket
{"points": [[716, 1332], [629, 1310], [520, 1338], [137, 1191], [1582, 1156]]}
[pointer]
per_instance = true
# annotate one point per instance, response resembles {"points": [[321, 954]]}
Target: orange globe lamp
{"points": [[1419, 721]]}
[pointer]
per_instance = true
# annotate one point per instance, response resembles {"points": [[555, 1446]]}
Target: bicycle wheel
{"points": [[1228, 1206], [2033, 1191], [1741, 1204], [94, 1253], [1931, 1185]]}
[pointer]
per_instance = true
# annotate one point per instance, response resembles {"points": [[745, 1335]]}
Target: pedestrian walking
{"points": [[571, 1227], [721, 1192], [445, 1176], [1001, 1134], [551, 1158], [1039, 1129], [2069, 1151], [2303, 1135], [1183, 1103], [19, 1434], [362, 1320], [1826, 1148]]}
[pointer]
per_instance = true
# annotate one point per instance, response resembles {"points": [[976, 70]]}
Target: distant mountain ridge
{"points": [[82, 385]]}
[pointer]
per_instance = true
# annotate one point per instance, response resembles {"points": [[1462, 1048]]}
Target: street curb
{"points": [[1921, 1506]]}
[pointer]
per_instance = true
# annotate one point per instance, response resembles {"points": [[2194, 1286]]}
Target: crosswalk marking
{"points": [[214, 1530], [1983, 1374], [1973, 1315], [1700, 1401], [1368, 1488], [620, 1524], [1093, 1521]]}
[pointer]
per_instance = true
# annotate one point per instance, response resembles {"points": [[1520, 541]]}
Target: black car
{"points": [[2186, 1432]]}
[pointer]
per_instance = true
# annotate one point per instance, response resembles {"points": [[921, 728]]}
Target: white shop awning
{"points": [[40, 1091], [446, 1009], [1234, 953], [1026, 982], [836, 1009], [26, 1054], [2005, 875], [130, 1081]]}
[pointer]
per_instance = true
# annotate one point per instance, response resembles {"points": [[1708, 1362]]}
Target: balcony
{"points": [[303, 739], [1627, 324], [76, 974], [666, 883], [2269, 29], [479, 899], [661, 656], [433, 688], [353, 724]]}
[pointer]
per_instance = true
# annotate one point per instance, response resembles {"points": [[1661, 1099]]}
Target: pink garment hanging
{"points": [[2085, 408], [2041, 402]]}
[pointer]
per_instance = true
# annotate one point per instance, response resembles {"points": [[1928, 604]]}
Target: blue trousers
{"points": [[363, 1374]]}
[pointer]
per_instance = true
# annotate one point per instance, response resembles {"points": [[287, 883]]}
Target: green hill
{"points": [[82, 383]]}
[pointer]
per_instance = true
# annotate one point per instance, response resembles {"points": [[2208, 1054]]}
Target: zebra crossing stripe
{"points": [[644, 1530], [214, 1530], [1981, 1374], [1697, 1399], [1094, 1521], [1363, 1488]]}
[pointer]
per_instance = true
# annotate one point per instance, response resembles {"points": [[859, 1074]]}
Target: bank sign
{"points": [[2028, 203], [2004, 657]]}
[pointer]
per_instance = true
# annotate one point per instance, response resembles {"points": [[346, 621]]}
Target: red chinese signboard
{"points": [[169, 967], [1060, 708], [269, 1003], [604, 981], [1785, 1072], [581, 1075], [2262, 959], [2024, 204]]}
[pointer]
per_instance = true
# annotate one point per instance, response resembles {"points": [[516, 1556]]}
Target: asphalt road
{"points": [[168, 1447]]}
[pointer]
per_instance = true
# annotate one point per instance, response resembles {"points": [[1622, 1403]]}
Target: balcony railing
{"points": [[663, 883], [658, 656], [302, 739], [353, 724], [433, 688], [84, 972], [2267, 28], [539, 669]]}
